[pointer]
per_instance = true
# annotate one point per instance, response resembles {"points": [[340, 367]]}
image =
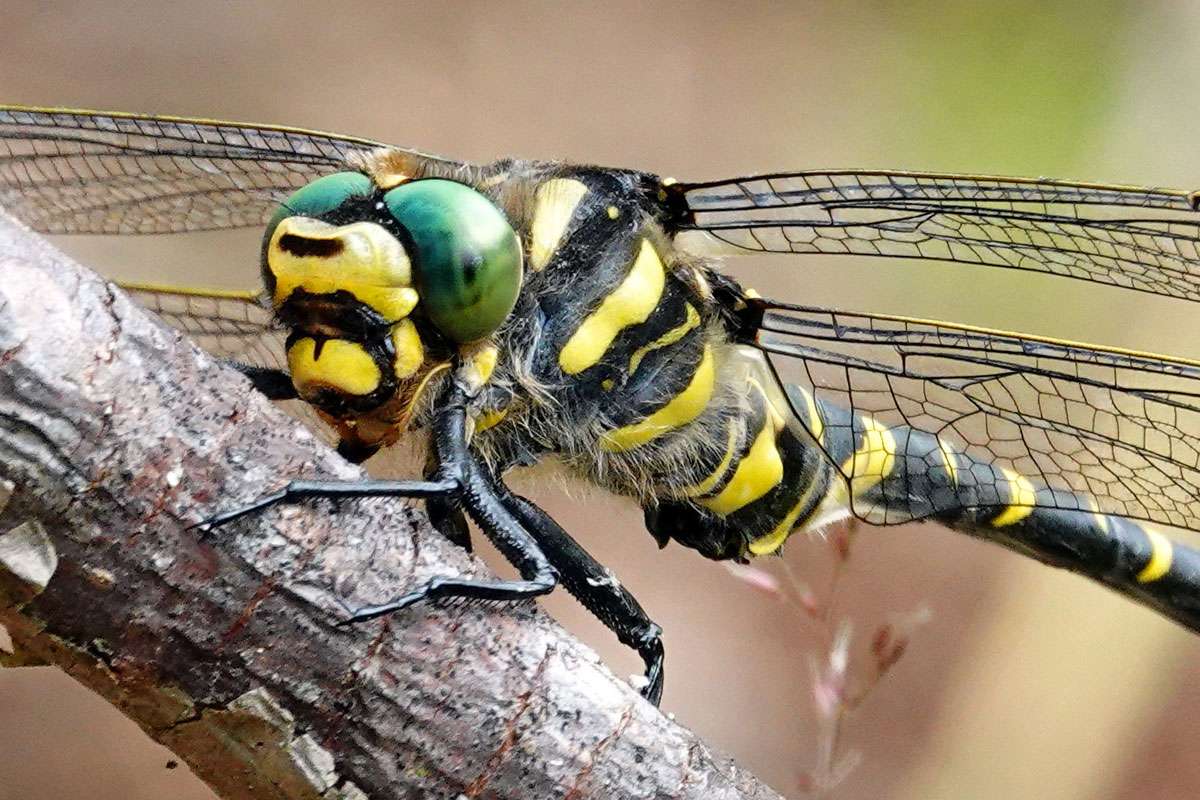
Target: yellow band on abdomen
{"points": [[1161, 555], [1023, 496], [873, 460], [758, 473]]}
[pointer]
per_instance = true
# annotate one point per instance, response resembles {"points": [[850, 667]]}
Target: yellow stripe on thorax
{"points": [[682, 409], [1161, 555], [490, 419], [670, 337], [1023, 496], [630, 303], [555, 204]]}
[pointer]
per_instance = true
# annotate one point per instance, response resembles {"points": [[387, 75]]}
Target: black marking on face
{"points": [[304, 247], [340, 310]]}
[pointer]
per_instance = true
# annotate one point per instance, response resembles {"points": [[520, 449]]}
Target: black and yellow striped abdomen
{"points": [[895, 474]]}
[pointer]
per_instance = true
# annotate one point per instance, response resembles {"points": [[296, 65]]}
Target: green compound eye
{"points": [[320, 197], [466, 257]]}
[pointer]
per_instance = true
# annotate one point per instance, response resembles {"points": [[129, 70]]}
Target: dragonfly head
{"points": [[379, 286]]}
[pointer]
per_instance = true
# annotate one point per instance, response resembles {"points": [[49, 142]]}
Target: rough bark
{"points": [[116, 434]]}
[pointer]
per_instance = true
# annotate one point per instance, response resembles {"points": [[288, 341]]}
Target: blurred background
{"points": [[1024, 682]]}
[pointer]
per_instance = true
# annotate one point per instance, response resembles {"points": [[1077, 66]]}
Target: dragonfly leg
{"points": [[447, 516], [538, 577], [274, 383], [465, 482], [297, 491], [595, 586]]}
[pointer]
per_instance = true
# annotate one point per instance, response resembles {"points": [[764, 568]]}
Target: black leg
{"points": [[274, 383], [305, 490], [356, 452], [458, 476], [596, 588], [481, 501], [448, 518], [445, 513]]}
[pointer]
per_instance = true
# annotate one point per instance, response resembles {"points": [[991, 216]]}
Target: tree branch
{"points": [[116, 434]]}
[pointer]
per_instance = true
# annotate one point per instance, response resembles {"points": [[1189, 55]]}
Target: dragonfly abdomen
{"points": [[896, 474]]}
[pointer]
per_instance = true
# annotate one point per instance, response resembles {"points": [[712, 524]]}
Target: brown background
{"points": [[1026, 683]]}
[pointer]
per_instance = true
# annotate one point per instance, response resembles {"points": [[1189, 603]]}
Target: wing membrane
{"points": [[1141, 239], [86, 172], [1119, 426], [233, 325]]}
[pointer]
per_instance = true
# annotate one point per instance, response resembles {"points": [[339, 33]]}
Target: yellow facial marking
{"points": [[758, 473], [607, 384], [613, 212], [816, 425], [1161, 552], [770, 542], [410, 353], [361, 258], [630, 303], [873, 460], [490, 419], [705, 486], [949, 460], [1022, 495], [554, 204], [669, 338], [343, 366], [682, 409]]}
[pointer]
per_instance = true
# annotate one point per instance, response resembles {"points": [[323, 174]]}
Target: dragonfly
{"points": [[522, 309]]}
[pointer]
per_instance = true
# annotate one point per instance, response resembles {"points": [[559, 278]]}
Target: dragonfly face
{"points": [[620, 346], [376, 284]]}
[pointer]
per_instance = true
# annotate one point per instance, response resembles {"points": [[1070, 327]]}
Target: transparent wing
{"points": [[67, 171], [1121, 426], [233, 325], [1142, 239]]}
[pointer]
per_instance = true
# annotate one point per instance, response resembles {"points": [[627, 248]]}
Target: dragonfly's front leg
{"points": [[478, 496], [275, 384], [458, 479]]}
